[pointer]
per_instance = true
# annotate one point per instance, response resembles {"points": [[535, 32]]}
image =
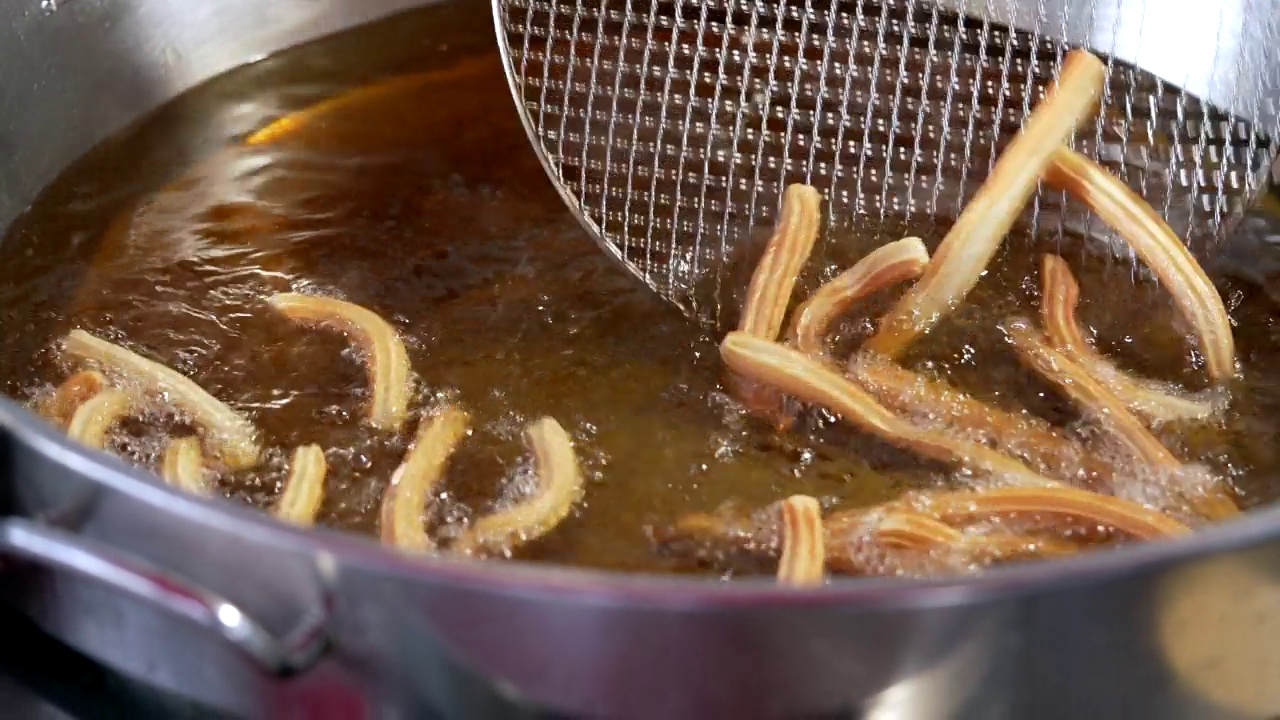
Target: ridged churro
{"points": [[972, 241], [71, 394], [887, 265], [1020, 435], [90, 422], [390, 377], [559, 487], [405, 501], [183, 466], [230, 435], [304, 489], [1059, 299], [811, 381], [803, 560], [1156, 244]]}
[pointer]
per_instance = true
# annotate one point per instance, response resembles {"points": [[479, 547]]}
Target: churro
{"points": [[183, 466], [413, 483], [803, 560], [90, 422], [810, 380], [1059, 299], [887, 265], [230, 435], [71, 394], [1156, 244], [304, 489], [1020, 435], [390, 377], [559, 487], [972, 241]]}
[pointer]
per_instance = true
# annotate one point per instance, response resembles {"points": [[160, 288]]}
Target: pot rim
{"points": [[605, 587]]}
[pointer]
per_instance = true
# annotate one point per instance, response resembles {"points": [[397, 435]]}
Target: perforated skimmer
{"points": [[671, 128]]}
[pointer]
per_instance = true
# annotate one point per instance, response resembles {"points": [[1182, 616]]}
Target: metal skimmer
{"points": [[671, 128]]}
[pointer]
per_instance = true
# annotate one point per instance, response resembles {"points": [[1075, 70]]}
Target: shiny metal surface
{"points": [[44, 545], [1188, 628], [670, 127]]}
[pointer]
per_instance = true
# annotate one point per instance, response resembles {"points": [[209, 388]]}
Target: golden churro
{"points": [[183, 466], [405, 500], [887, 265], [1105, 407], [228, 434], [964, 253], [390, 378], [1156, 244], [913, 530], [810, 380], [803, 560], [559, 487], [1021, 435], [90, 422], [71, 394], [304, 489], [1059, 299], [1040, 503], [775, 275]]}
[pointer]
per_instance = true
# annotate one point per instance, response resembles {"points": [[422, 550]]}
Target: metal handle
{"points": [[53, 548]]}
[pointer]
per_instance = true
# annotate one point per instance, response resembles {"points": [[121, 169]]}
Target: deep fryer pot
{"points": [[222, 604]]}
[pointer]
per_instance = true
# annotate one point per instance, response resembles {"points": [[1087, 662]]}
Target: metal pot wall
{"points": [[222, 604]]}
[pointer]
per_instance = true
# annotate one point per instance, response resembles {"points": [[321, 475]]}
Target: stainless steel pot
{"points": [[222, 604]]}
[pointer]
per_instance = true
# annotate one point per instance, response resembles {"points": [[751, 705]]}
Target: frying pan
{"points": [[222, 604]]}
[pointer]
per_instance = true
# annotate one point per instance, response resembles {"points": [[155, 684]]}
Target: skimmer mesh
{"points": [[671, 128]]}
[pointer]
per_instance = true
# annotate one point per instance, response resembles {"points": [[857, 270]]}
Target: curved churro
{"points": [[775, 275], [183, 466], [71, 394], [230, 435], [405, 500], [913, 530], [1104, 406], [887, 265], [390, 379], [559, 487], [1155, 242], [1059, 299], [803, 544], [1024, 435], [809, 380], [1130, 518], [90, 422], [304, 490], [972, 241]]}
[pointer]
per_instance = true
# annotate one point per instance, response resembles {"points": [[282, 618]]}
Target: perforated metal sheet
{"points": [[671, 128]]}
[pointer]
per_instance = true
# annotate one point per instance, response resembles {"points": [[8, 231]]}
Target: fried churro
{"points": [[887, 265], [405, 501], [972, 241], [559, 487], [803, 560], [228, 434], [90, 422], [1021, 435], [304, 489], [811, 381], [71, 394], [1156, 244], [390, 377], [1060, 297], [183, 466]]}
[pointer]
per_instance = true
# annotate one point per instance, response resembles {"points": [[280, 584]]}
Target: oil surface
{"points": [[419, 198]]}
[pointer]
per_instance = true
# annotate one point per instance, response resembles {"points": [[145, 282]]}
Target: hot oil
{"points": [[419, 198]]}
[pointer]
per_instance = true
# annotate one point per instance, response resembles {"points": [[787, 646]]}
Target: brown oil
{"points": [[421, 199]]}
